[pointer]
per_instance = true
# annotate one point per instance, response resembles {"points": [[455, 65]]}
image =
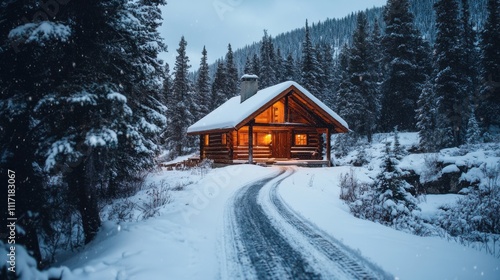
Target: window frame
{"points": [[301, 139]]}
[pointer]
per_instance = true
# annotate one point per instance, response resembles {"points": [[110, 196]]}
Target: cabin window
{"points": [[301, 139], [274, 114], [224, 139], [242, 139], [207, 140], [258, 139]]}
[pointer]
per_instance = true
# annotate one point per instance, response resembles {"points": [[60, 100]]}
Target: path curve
{"points": [[258, 245]]}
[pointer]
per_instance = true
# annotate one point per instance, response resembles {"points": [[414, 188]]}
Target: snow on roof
{"points": [[233, 112]]}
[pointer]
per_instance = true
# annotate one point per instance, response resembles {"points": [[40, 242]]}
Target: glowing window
{"points": [[300, 139], [207, 140], [224, 139], [242, 138]]}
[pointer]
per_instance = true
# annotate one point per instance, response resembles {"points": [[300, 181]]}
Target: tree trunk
{"points": [[82, 182]]}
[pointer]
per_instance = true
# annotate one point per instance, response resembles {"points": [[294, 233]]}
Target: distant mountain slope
{"points": [[338, 31]]}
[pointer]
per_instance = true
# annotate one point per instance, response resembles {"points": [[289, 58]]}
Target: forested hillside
{"points": [[336, 32]]}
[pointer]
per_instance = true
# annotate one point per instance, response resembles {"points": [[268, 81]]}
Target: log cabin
{"points": [[281, 123]]}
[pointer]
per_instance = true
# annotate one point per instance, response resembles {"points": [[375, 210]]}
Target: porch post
{"points": [[328, 148], [202, 144], [286, 109], [250, 142]]}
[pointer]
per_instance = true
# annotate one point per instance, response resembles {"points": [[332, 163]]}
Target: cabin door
{"points": [[281, 144]]}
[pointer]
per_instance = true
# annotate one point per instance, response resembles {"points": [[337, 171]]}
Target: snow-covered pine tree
{"points": [[290, 73], [362, 98], [203, 92], [219, 95], [473, 135], [267, 73], [489, 99], [248, 66], [343, 80], [166, 87], [394, 202], [232, 77], [469, 35], [179, 113], [255, 66], [451, 81], [398, 151], [101, 120], [32, 65], [327, 68], [426, 119], [279, 67], [310, 66], [404, 66]]}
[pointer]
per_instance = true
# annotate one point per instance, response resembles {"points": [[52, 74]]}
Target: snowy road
{"points": [[268, 240]]}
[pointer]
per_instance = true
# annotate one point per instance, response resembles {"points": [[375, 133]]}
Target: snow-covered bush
{"points": [[350, 187], [203, 167], [431, 167], [157, 196], [390, 200], [475, 219], [122, 211], [18, 264]]}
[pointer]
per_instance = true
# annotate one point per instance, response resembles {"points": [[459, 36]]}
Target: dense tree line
{"points": [[81, 109]]}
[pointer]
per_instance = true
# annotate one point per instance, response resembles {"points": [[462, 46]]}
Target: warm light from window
{"points": [[207, 139], [224, 139], [267, 139], [300, 139]]}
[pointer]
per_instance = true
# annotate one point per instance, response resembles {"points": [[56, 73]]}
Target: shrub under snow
{"points": [[389, 200], [475, 219]]}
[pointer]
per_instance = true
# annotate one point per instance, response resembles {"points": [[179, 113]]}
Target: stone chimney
{"points": [[249, 86]]}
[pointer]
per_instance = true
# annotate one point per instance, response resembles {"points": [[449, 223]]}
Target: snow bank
{"points": [[314, 193]]}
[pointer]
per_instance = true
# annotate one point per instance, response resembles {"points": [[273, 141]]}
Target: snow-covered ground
{"points": [[184, 241]]}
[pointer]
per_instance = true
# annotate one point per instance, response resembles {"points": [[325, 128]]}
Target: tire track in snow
{"points": [[259, 249], [258, 246], [344, 258]]}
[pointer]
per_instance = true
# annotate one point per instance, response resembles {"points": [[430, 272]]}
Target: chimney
{"points": [[249, 86]]}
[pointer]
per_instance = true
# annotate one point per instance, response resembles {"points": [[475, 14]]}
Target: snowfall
{"points": [[185, 239]]}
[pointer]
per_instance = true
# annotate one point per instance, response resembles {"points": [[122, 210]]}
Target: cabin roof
{"points": [[233, 114]]}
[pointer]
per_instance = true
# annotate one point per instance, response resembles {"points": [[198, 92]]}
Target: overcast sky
{"points": [[216, 23]]}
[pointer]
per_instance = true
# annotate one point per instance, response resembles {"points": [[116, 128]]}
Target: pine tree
{"points": [[469, 36], [267, 73], [342, 101], [232, 74], [310, 65], [248, 66], [404, 66], [489, 99], [29, 72], [99, 115], [363, 95], [473, 132], [394, 201], [327, 67], [279, 67], [255, 66], [290, 73], [377, 57], [203, 86], [219, 95], [451, 81], [426, 119], [180, 117]]}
